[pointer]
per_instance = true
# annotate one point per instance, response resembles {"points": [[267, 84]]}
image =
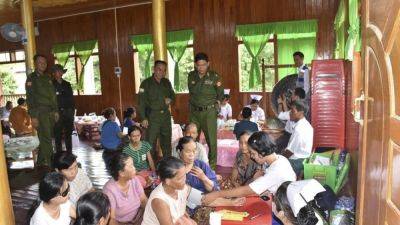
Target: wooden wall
{"points": [[213, 22]]}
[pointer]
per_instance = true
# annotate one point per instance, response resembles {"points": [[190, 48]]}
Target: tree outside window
{"points": [[185, 66], [13, 72], [91, 82]]}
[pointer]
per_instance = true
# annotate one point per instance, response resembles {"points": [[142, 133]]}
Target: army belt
{"points": [[203, 108]]}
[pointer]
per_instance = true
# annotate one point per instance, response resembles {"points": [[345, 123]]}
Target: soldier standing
{"points": [[42, 107], [206, 93], [66, 109], [155, 96]]}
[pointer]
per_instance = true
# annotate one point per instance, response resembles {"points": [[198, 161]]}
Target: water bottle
{"points": [[342, 160]]}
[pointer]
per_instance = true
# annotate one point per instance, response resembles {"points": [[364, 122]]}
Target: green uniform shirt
{"points": [[152, 95], [205, 91], [40, 94]]}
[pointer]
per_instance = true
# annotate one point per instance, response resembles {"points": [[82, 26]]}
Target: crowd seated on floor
{"points": [[173, 190], [66, 193], [172, 186], [145, 188]]}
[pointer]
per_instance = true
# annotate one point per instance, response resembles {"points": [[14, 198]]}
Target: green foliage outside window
{"points": [[96, 69], [185, 66], [8, 82], [70, 75], [245, 63]]}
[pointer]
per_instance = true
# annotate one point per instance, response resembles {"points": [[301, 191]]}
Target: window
{"points": [[245, 64], [91, 82], [272, 69], [185, 65], [13, 72], [277, 54]]}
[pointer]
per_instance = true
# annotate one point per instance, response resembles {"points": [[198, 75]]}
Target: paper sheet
{"points": [[321, 160], [194, 198]]}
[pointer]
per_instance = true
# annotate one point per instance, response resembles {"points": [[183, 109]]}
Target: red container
{"points": [[328, 103]]}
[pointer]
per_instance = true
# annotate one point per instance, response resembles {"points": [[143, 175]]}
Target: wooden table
{"points": [[88, 129]]}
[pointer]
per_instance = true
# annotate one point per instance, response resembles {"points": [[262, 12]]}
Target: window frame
{"points": [[276, 66], [78, 69], [137, 78], [13, 60], [13, 57]]}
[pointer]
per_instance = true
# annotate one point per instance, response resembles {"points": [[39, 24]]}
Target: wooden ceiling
{"points": [[44, 9]]}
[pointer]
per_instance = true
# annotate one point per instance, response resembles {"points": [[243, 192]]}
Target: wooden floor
{"points": [[24, 184]]}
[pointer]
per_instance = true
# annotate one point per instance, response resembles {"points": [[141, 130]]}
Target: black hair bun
{"points": [[307, 216]]}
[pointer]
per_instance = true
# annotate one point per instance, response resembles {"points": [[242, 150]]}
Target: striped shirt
{"points": [[139, 155]]}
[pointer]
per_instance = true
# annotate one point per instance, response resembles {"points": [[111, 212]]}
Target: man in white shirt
{"points": [[303, 78], [301, 141], [226, 109], [279, 170], [284, 108], [6, 110], [5, 114]]}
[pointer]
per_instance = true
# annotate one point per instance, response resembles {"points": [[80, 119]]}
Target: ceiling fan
{"points": [[13, 32]]}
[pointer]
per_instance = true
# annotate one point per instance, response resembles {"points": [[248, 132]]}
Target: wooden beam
{"points": [[27, 22], [6, 209], [159, 31]]}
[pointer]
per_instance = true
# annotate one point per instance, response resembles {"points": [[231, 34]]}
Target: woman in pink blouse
{"points": [[126, 194]]}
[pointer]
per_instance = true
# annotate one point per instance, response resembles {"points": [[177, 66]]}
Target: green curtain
{"points": [[61, 51], [144, 45], [254, 45], [84, 50], [288, 44], [340, 30], [353, 42], [293, 36], [177, 42], [287, 27]]}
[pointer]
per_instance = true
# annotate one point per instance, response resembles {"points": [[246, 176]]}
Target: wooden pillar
{"points": [[27, 23], [159, 30], [159, 40], [6, 209]]}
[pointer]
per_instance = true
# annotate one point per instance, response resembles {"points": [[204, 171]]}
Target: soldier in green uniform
{"points": [[155, 96], [206, 92], [42, 107]]}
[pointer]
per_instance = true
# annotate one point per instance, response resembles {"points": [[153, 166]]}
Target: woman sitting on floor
{"points": [[245, 170], [125, 192], [167, 203], [199, 175], [53, 207], [245, 124], [129, 115], [79, 182], [201, 152], [93, 208], [141, 155], [111, 136]]}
